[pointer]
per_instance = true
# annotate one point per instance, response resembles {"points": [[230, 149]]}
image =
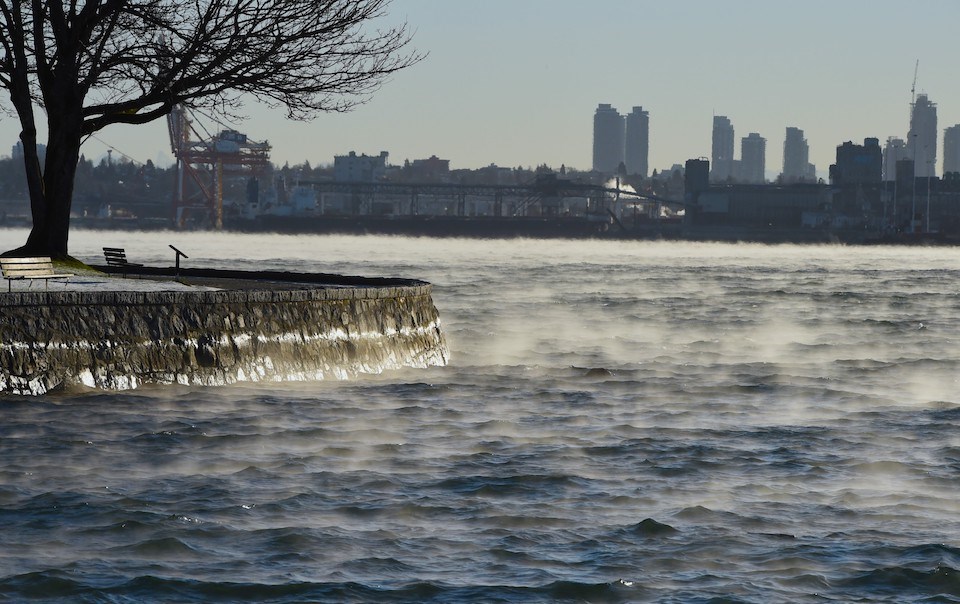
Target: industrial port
{"points": [[225, 180]]}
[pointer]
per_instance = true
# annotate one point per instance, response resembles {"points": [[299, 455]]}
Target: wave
{"points": [[506, 486], [161, 548], [906, 583], [649, 527], [56, 585]]}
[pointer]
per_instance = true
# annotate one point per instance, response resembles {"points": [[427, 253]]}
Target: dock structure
{"points": [[539, 198]]}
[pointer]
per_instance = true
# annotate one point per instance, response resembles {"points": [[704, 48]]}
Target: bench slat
{"points": [[117, 256], [19, 261], [29, 268], [30, 272]]}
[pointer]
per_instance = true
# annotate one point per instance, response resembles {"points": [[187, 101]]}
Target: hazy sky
{"points": [[516, 82]]}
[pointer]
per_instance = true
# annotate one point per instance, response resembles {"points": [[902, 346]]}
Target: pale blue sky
{"points": [[515, 82]]}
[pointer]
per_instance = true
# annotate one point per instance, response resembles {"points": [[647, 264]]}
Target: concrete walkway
{"points": [[101, 283]]}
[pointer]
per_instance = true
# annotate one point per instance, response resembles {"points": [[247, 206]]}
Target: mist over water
{"points": [[620, 422]]}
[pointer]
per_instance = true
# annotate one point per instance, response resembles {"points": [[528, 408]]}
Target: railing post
{"points": [[177, 259]]}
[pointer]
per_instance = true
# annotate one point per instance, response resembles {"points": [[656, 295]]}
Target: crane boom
{"points": [[913, 88]]}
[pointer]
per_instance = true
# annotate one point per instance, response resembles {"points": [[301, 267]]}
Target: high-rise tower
{"points": [[753, 159], [721, 168], [922, 140], [893, 151], [608, 132], [637, 141], [951, 149], [796, 158]]}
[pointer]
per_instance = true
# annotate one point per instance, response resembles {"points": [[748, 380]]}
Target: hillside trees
{"points": [[86, 65]]}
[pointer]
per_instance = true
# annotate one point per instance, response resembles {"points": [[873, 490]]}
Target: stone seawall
{"points": [[120, 339]]}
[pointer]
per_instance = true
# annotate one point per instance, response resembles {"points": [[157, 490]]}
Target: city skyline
{"points": [[515, 83], [621, 141]]}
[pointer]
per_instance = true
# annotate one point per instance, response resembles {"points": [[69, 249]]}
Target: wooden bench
{"points": [[40, 267], [117, 256]]}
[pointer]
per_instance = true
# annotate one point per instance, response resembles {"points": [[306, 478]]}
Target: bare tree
{"points": [[87, 65]]}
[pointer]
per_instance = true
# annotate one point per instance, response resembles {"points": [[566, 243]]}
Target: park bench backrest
{"points": [[115, 256], [27, 268], [40, 267]]}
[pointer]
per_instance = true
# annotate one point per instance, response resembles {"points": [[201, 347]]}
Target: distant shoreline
{"points": [[524, 227]]}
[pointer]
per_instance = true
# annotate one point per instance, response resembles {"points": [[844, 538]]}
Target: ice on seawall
{"points": [[120, 340]]}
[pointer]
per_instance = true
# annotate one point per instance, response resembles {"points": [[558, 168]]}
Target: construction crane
{"points": [[204, 160], [913, 88]]}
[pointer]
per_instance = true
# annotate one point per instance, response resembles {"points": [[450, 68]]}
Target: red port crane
{"points": [[206, 161]]}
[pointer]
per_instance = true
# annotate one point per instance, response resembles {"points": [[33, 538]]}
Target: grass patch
{"points": [[76, 266]]}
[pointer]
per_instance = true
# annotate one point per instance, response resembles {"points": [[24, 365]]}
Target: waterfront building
{"points": [[894, 151], [432, 169], [858, 164], [359, 168], [608, 139], [857, 180], [795, 208], [951, 149], [637, 141], [796, 158], [722, 152], [696, 179], [753, 162], [922, 139]]}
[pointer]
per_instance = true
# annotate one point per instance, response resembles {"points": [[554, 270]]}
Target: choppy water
{"points": [[620, 422]]}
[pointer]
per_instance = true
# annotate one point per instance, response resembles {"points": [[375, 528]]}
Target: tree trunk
{"points": [[36, 242], [52, 199]]}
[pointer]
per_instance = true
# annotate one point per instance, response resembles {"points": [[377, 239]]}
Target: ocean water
{"points": [[619, 422]]}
